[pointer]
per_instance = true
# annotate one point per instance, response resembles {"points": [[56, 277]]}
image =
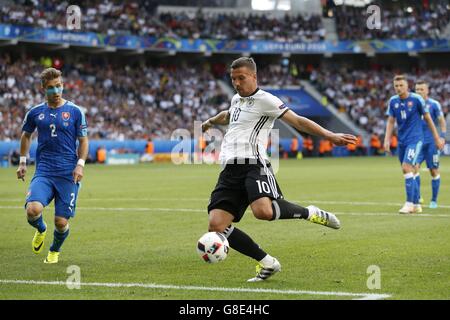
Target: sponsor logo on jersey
{"points": [[66, 116], [41, 116]]}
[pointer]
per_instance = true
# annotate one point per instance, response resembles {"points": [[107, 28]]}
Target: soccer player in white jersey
{"points": [[247, 178]]}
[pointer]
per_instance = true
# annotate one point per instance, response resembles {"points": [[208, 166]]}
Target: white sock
{"points": [[311, 211], [267, 261]]}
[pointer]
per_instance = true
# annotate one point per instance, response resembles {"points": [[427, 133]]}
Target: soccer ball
{"points": [[213, 247]]}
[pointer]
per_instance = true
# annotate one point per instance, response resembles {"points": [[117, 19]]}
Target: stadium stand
{"points": [[415, 21], [121, 103], [149, 97], [411, 20], [129, 17]]}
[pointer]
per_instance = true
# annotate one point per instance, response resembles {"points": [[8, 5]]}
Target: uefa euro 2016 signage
{"points": [[91, 39]]}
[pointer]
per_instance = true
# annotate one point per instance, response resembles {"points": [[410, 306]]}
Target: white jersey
{"points": [[251, 119]]}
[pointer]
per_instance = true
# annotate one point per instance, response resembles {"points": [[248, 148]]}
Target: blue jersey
{"points": [[408, 115], [58, 130], [435, 113]]}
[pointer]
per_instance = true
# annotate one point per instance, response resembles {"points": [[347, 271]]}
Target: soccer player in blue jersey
{"points": [[430, 153], [59, 165], [406, 109]]}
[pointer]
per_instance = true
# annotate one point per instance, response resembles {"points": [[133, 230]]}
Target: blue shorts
{"points": [[63, 190], [430, 154], [409, 153]]}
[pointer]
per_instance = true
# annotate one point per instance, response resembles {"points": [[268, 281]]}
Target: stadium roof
{"points": [[356, 3]]}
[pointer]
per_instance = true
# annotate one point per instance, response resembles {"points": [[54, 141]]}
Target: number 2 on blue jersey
{"points": [[53, 128]]}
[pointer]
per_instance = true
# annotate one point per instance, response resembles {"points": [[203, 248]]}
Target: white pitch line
{"points": [[119, 199], [361, 296], [392, 214], [142, 209], [122, 209], [381, 214], [353, 203]]}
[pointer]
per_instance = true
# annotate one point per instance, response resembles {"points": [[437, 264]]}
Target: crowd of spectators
{"points": [[363, 94], [121, 102], [142, 101], [416, 20], [131, 17], [287, 28], [279, 76]]}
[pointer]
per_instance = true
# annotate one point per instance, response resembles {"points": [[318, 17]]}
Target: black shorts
{"points": [[241, 184]]}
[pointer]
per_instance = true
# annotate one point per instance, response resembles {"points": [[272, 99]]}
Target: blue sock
{"points": [[435, 184], [38, 224], [58, 240], [418, 186], [410, 187], [416, 196]]}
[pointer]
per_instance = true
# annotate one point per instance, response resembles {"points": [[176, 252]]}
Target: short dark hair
{"points": [[49, 74], [400, 77], [422, 82], [244, 62]]}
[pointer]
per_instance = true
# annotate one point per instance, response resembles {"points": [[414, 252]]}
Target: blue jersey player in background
{"points": [[407, 109], [59, 165], [430, 153]]}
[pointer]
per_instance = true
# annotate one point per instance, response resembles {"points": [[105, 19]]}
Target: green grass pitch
{"points": [[136, 228]]}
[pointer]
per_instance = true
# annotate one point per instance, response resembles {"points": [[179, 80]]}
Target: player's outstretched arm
{"points": [[440, 142], [25, 143], [83, 149], [305, 125], [222, 118]]}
